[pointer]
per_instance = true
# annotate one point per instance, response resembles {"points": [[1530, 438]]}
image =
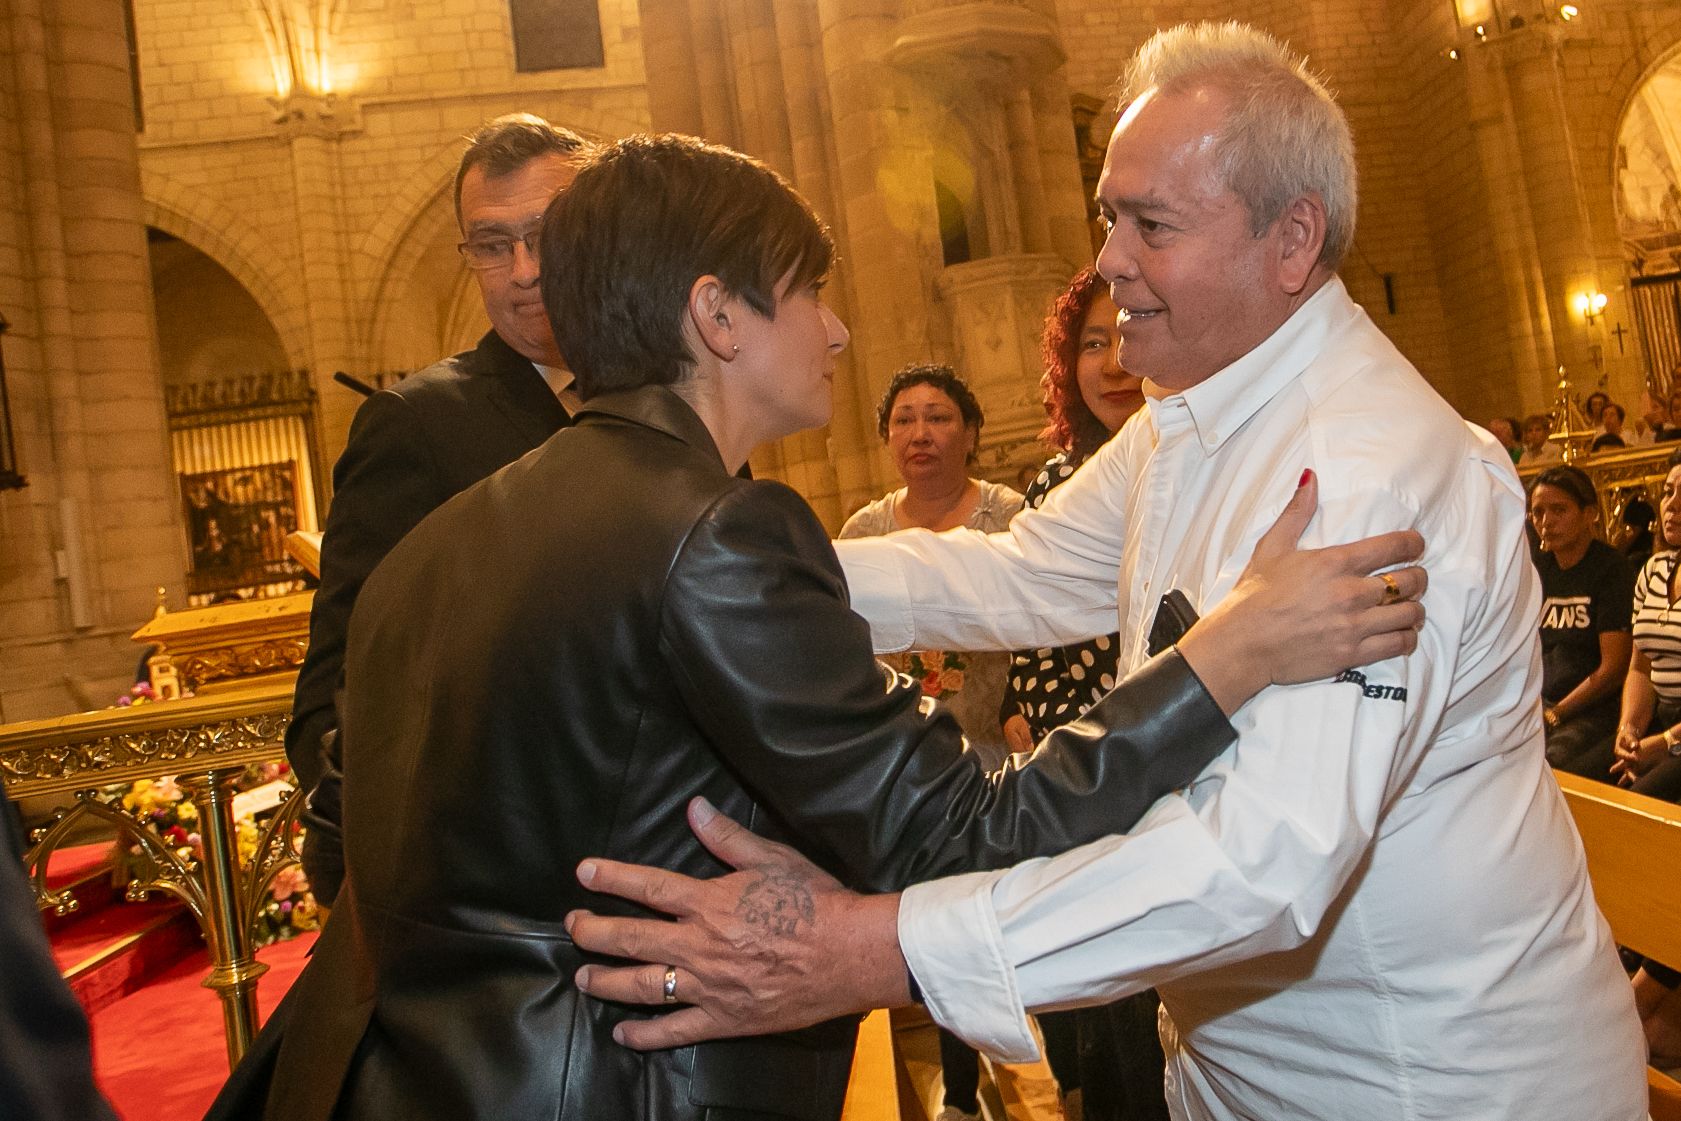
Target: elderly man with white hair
{"points": [[1374, 904]]}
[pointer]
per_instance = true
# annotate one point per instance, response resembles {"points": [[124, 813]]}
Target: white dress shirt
{"points": [[1374, 905], [563, 384]]}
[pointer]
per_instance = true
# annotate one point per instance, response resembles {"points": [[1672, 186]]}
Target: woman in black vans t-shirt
{"points": [[1588, 591]]}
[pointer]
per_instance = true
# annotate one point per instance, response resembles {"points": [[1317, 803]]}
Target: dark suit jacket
{"points": [[425, 439], [543, 671]]}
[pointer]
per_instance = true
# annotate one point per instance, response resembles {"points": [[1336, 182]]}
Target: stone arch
{"points": [[226, 239], [1631, 75], [1655, 335]]}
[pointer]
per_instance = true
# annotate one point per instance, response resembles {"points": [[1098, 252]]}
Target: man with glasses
{"points": [[437, 432]]}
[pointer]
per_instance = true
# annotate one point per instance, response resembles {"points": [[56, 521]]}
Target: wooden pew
{"points": [[1634, 859]]}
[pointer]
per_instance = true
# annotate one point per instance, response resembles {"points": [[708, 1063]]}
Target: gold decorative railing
{"points": [[206, 742], [240, 658]]}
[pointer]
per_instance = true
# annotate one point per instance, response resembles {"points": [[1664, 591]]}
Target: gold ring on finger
{"points": [[668, 991], [1391, 590]]}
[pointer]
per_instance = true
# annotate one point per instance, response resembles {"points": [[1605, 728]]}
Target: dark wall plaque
{"points": [[555, 34]]}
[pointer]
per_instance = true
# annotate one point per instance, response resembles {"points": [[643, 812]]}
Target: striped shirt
{"points": [[1657, 625]]}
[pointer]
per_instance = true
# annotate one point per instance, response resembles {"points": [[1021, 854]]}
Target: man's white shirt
{"points": [[1374, 904]]}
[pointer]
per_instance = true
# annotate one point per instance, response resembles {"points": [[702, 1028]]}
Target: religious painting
{"points": [[237, 520]]}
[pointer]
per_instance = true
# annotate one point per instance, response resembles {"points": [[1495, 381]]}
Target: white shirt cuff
{"points": [[878, 590], [951, 941]]}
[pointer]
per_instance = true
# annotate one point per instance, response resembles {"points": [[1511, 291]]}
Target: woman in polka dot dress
{"points": [[1088, 397], [1111, 1055]]}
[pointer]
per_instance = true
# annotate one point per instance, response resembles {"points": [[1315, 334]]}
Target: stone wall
{"points": [[96, 530], [319, 181], [1487, 182]]}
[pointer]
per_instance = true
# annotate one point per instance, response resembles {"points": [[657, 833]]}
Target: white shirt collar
{"points": [[558, 378], [1225, 401]]}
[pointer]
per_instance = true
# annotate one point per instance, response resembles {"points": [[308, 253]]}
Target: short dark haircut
{"points": [[507, 143], [1533, 419], [943, 378], [1622, 413], [647, 217], [1573, 481]]}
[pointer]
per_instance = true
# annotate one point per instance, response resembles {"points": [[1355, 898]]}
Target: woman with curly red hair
{"points": [[1110, 1054], [1088, 397]]}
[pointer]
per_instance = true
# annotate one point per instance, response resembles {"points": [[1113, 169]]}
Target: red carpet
{"points": [[159, 1053]]}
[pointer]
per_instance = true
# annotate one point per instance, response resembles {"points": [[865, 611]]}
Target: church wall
{"points": [[322, 201], [1487, 197], [96, 530], [1432, 136]]}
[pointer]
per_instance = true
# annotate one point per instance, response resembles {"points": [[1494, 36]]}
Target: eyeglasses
{"points": [[486, 253]]}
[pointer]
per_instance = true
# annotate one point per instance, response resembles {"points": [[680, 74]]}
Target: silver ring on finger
{"points": [[668, 991]]}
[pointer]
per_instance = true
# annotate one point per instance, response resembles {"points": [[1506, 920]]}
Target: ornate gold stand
{"points": [[206, 741]]}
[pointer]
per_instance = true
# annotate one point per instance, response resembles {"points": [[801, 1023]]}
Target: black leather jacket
{"points": [[549, 668]]}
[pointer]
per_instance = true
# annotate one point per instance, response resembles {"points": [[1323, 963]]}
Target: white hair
{"points": [[1285, 137]]}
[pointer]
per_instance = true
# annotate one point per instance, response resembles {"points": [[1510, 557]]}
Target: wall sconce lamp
{"points": [[1482, 22], [1590, 305], [9, 477]]}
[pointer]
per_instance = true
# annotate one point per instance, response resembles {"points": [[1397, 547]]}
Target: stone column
{"points": [[1554, 184], [311, 127], [888, 221], [84, 547], [1511, 233], [1009, 55]]}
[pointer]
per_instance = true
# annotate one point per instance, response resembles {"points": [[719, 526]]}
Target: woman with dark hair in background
{"points": [[931, 423], [1649, 727], [1585, 622]]}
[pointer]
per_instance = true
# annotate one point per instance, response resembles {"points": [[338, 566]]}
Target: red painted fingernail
{"points": [[1306, 475]]}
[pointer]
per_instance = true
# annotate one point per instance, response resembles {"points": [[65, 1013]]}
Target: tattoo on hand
{"points": [[777, 901]]}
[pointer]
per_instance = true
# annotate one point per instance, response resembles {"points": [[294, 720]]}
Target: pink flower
{"points": [[289, 881]]}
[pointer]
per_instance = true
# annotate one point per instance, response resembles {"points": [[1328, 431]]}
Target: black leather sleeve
{"points": [[778, 671]]}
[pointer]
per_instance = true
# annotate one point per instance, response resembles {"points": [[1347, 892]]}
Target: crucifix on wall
{"points": [[1620, 331]]}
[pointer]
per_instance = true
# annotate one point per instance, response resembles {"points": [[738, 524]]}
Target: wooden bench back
{"points": [[1633, 845]]}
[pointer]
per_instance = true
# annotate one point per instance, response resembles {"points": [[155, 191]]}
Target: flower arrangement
{"points": [[139, 693], [288, 911], [939, 672]]}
